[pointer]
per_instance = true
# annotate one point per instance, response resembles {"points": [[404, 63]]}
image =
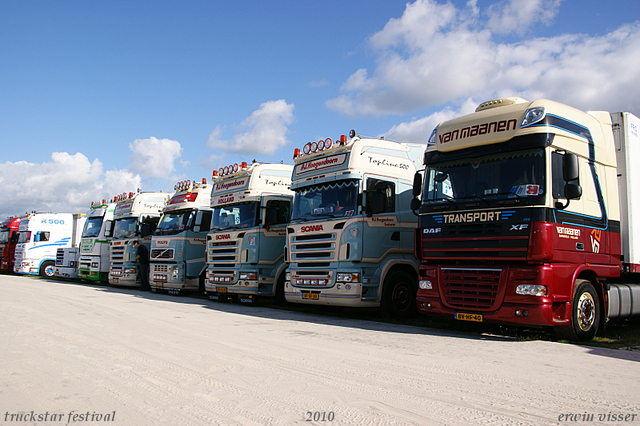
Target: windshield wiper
{"points": [[443, 206]]}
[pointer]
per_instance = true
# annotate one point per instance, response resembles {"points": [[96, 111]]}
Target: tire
{"points": [[47, 269], [585, 314], [201, 288], [279, 293], [399, 295]]}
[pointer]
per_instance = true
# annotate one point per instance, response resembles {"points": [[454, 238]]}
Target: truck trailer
{"points": [[526, 217], [245, 248]]}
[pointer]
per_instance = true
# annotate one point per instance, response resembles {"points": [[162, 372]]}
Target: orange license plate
{"points": [[468, 317]]}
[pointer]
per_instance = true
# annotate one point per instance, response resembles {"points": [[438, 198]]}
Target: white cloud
{"points": [[153, 157], [66, 184], [435, 54], [264, 131], [319, 83], [418, 130], [518, 15], [69, 183]]}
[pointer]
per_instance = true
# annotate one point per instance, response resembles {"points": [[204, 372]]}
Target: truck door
{"points": [[381, 227]]}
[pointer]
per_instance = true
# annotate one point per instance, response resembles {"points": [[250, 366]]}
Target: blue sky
{"points": [[99, 98]]}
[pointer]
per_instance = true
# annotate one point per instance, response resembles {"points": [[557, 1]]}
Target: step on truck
{"points": [[350, 241], [8, 240], [177, 255], [526, 217], [245, 248], [41, 235], [136, 216], [96, 239]]}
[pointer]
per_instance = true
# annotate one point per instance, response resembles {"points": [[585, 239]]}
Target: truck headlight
{"points": [[531, 290], [248, 276], [532, 116], [348, 277], [129, 270], [425, 285]]}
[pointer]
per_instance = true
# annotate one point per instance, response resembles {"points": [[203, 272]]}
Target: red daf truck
{"points": [[527, 217]]}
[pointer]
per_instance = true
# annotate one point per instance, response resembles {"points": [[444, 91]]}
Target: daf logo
{"points": [[519, 227], [432, 230]]}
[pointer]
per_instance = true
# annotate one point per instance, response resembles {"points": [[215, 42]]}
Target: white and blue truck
{"points": [[245, 248], [177, 256], [40, 237], [350, 240]]}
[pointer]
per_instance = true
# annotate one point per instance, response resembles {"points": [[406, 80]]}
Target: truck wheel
{"points": [[47, 269], [279, 293], [585, 314], [201, 288], [399, 297]]}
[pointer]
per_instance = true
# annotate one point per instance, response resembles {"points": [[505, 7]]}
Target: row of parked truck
{"points": [[520, 213]]}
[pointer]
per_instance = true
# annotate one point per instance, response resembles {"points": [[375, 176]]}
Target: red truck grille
{"points": [[494, 241], [469, 288]]}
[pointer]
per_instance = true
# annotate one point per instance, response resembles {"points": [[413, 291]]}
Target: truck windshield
{"points": [[173, 222], [125, 228], [92, 227], [4, 236], [24, 237], [334, 199], [243, 215], [507, 178]]}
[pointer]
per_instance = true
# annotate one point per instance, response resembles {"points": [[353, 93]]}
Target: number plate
{"points": [[115, 280], [221, 289], [468, 317], [159, 284], [312, 296]]}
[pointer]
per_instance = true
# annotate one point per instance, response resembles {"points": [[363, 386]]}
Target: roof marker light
{"points": [[314, 146], [328, 143], [307, 148]]}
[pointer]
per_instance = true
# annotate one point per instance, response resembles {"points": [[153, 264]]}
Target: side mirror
{"points": [[376, 202], [146, 229], [108, 229], [570, 167], [415, 204], [572, 191], [198, 221], [271, 216], [417, 184]]}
